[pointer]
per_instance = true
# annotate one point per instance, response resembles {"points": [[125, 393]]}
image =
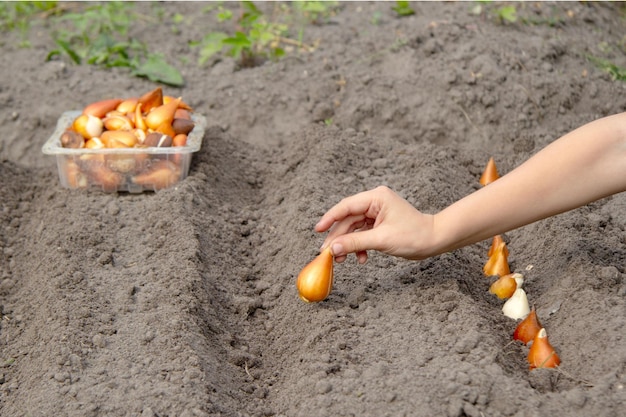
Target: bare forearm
{"points": [[582, 166]]}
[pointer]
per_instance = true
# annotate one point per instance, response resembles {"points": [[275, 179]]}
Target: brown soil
{"points": [[183, 302]]}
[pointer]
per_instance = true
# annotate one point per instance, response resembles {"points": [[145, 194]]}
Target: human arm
{"points": [[582, 166]]}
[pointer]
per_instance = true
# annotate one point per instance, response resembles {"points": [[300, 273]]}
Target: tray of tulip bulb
{"points": [[131, 145]]}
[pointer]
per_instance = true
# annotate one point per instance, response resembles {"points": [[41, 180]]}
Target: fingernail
{"points": [[337, 249]]}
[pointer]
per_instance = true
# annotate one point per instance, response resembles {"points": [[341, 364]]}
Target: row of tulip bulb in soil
{"points": [[315, 281], [509, 286]]}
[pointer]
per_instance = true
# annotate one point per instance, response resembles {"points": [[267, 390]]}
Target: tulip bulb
{"points": [[128, 105], [140, 123], [118, 139], [528, 328], [166, 129], [162, 114], [101, 108], [94, 143], [505, 286], [163, 174], [179, 140], [316, 279], [117, 122], [497, 239], [181, 104], [71, 139], [88, 126], [498, 263], [152, 99], [517, 306], [106, 178], [75, 177], [541, 353], [490, 174]]}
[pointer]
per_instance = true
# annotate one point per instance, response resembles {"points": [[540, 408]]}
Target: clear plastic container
{"points": [[132, 170]]}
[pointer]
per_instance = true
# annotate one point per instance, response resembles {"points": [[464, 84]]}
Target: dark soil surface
{"points": [[183, 302]]}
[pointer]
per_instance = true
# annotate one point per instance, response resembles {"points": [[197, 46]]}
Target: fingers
{"points": [[347, 225], [352, 221], [363, 204], [358, 243]]}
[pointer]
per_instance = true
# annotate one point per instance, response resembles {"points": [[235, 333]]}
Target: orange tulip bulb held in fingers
{"points": [[316, 279], [541, 353], [490, 174], [528, 328]]}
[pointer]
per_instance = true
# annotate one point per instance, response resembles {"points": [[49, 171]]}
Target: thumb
{"points": [[354, 242]]}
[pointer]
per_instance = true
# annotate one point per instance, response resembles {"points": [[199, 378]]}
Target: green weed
{"points": [[19, 15], [315, 12], [503, 14], [616, 72], [99, 36], [258, 37], [506, 14], [403, 9], [255, 38]]}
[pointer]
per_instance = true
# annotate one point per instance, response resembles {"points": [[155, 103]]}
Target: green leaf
{"points": [[156, 69], [616, 72], [178, 18], [211, 44], [508, 13], [251, 15], [402, 8], [224, 15], [65, 47], [240, 39], [278, 52]]}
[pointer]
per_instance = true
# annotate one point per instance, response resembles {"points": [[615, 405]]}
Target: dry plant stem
{"points": [[294, 42], [572, 377], [247, 370], [60, 7], [471, 122]]}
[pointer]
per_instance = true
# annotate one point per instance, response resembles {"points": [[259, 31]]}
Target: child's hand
{"points": [[378, 219]]}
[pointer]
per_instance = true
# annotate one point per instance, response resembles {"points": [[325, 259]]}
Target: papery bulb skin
{"points": [[541, 353], [151, 99], [498, 263], [528, 328], [181, 105], [490, 174], [497, 239], [517, 306], [315, 281], [88, 126], [504, 287]]}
